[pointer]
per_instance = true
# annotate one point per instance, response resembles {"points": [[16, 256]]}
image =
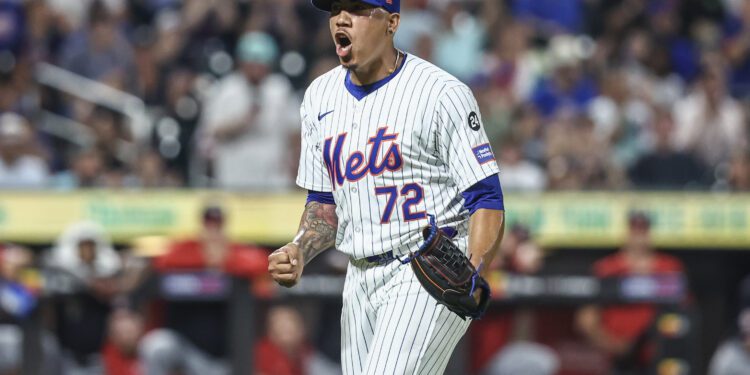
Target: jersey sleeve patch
{"points": [[483, 153], [474, 123]]}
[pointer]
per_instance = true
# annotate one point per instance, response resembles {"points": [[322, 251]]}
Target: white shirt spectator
{"points": [[250, 118], [731, 358], [66, 254], [714, 137], [19, 169], [523, 176], [29, 171], [260, 157], [518, 174]]}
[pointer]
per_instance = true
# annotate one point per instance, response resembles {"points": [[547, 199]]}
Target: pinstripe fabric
{"points": [[429, 111], [390, 325]]}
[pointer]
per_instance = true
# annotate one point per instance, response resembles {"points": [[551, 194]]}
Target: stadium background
{"points": [[137, 114]]}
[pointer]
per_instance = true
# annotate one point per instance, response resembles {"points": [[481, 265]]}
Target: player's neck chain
{"points": [[395, 63]]}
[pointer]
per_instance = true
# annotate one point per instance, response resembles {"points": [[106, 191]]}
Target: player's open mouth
{"points": [[343, 44]]}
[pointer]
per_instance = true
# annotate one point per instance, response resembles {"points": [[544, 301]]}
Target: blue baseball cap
{"points": [[392, 6]]}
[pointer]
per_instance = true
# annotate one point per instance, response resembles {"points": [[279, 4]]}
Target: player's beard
{"points": [[346, 60]]}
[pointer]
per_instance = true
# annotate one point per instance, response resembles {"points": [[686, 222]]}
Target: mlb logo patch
{"points": [[389, 2], [483, 153]]}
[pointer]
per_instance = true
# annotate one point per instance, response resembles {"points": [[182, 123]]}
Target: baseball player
{"points": [[390, 141]]}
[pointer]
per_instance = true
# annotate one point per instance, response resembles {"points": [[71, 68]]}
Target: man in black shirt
{"points": [[665, 167]]}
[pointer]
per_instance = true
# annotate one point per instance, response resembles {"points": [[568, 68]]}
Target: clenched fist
{"points": [[285, 265]]}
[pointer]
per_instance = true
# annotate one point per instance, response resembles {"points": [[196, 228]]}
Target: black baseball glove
{"points": [[446, 273]]}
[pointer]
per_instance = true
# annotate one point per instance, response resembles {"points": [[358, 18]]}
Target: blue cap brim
{"points": [[326, 4], [322, 4]]}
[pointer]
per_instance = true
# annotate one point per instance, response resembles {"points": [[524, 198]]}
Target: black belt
{"points": [[384, 258]]}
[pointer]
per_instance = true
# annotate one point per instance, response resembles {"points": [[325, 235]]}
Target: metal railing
{"points": [[131, 106]]}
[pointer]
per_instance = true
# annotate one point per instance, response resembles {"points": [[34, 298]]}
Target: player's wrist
{"points": [[299, 251]]}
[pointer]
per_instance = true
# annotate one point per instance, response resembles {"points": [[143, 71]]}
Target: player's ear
{"points": [[394, 20]]}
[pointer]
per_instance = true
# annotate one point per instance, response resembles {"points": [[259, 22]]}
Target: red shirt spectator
{"points": [[271, 359], [240, 260], [627, 322], [117, 363], [617, 329], [285, 349], [194, 332], [120, 352]]}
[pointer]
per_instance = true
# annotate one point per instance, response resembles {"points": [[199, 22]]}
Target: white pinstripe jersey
{"points": [[407, 149]]}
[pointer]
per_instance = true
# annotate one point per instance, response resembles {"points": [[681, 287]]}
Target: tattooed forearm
{"points": [[317, 229]]}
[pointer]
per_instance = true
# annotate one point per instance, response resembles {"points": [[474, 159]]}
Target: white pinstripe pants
{"points": [[391, 325]]}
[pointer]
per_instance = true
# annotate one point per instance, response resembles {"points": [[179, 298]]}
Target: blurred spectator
{"points": [[251, 116], [551, 16], [75, 15], [666, 23], [120, 353], [100, 51], [195, 333], [44, 31], [508, 330], [19, 299], [512, 64], [110, 134], [568, 88], [117, 176], [152, 173], [518, 174], [526, 358], [175, 127], [12, 30], [508, 73], [83, 252], [285, 350], [708, 121], [528, 128], [547, 55], [733, 355], [577, 158], [417, 21], [737, 49], [649, 72], [667, 168], [20, 167], [620, 118], [458, 41], [619, 330], [86, 168], [739, 172]]}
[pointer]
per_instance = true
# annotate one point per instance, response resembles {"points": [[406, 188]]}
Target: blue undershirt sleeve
{"points": [[320, 197], [486, 193]]}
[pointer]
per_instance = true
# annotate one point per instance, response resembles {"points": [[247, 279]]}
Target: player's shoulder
{"points": [[325, 81], [431, 74]]}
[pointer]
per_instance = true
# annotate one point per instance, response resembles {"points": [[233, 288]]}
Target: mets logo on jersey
{"points": [[358, 165]]}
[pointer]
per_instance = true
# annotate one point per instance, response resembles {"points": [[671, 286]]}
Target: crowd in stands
{"points": [[168, 306], [164, 308], [616, 94]]}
